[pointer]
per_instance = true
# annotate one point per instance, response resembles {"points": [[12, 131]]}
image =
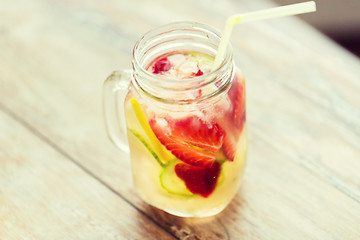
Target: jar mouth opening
{"points": [[179, 36]]}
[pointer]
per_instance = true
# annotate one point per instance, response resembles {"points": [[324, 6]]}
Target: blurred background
{"points": [[339, 19]]}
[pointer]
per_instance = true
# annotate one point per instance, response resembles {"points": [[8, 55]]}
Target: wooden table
{"points": [[61, 178]]}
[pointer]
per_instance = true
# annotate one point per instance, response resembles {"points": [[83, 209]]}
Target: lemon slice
{"points": [[159, 149]]}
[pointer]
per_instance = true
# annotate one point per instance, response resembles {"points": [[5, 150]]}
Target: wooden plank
{"points": [[315, 116], [44, 195], [60, 99], [277, 200]]}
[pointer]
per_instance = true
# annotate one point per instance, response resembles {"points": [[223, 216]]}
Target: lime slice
{"points": [[171, 182], [146, 144], [163, 154]]}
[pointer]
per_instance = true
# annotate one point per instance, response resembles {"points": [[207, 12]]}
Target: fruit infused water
{"points": [[185, 114], [188, 158]]}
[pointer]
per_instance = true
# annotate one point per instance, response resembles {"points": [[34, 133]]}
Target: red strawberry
{"points": [[237, 98], [199, 180], [199, 73], [195, 131], [229, 146], [234, 122], [191, 139], [161, 65]]}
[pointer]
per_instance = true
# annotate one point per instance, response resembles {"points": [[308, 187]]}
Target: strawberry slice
{"points": [[237, 97], [234, 122], [199, 180], [190, 139], [195, 131], [161, 65], [229, 146], [199, 73], [231, 137]]}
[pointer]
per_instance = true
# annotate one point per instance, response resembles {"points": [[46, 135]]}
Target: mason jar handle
{"points": [[115, 89]]}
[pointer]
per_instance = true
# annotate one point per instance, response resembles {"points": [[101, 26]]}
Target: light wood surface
{"points": [[61, 178]]}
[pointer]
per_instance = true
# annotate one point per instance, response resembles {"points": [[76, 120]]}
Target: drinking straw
{"points": [[275, 12]]}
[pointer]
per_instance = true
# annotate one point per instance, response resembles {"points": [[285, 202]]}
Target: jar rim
{"points": [[176, 26]]}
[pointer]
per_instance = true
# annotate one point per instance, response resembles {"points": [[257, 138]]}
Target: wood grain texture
{"points": [[302, 178], [44, 195]]}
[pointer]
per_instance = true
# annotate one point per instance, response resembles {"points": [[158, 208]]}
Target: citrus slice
{"points": [[147, 145], [171, 182], [163, 154]]}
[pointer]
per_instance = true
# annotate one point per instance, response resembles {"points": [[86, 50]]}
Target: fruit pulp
{"points": [[188, 163]]}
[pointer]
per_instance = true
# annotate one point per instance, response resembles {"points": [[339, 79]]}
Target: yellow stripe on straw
{"points": [[275, 12]]}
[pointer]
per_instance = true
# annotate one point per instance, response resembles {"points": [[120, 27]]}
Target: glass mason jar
{"points": [[187, 137]]}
